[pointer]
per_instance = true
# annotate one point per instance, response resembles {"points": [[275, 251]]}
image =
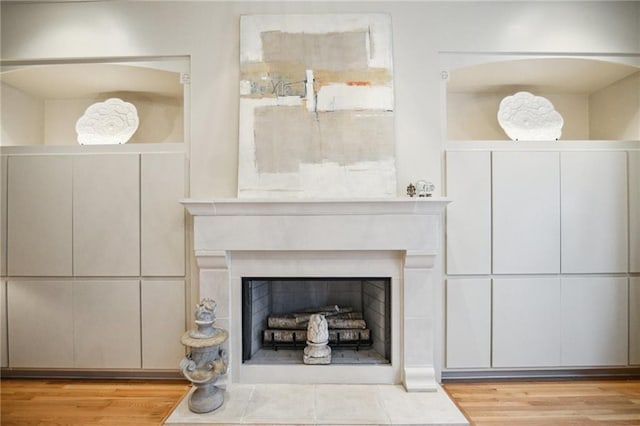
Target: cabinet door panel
{"points": [[3, 216], [526, 212], [469, 323], [469, 218], [4, 355], [39, 216], [163, 323], [163, 236], [594, 212], [634, 321], [40, 321], [594, 321], [106, 328], [634, 211], [526, 319], [106, 215]]}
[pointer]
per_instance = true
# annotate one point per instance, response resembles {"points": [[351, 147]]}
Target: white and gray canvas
{"points": [[316, 107]]}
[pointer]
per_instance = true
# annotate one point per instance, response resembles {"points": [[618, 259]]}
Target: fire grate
{"points": [[298, 340]]}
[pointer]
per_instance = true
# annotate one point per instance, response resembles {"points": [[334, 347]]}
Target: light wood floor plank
{"points": [[549, 402], [87, 402]]}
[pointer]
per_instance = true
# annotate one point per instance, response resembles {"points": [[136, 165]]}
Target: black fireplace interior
{"points": [[275, 312]]}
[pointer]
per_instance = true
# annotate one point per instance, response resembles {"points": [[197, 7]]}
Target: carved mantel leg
{"points": [[418, 320], [214, 284]]}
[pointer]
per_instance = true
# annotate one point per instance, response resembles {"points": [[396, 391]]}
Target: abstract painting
{"points": [[316, 107]]}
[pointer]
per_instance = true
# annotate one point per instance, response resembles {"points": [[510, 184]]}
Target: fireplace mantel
{"points": [[408, 224], [401, 238], [375, 206]]}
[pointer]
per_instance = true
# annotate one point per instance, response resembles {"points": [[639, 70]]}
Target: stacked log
{"points": [[344, 325]]}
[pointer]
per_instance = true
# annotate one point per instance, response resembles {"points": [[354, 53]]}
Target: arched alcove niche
{"points": [[42, 100], [598, 97]]}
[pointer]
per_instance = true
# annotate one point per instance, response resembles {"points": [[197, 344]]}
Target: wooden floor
{"points": [[88, 402], [610, 402], [121, 402]]}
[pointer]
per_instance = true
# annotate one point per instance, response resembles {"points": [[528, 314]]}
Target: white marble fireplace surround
{"points": [[400, 238]]}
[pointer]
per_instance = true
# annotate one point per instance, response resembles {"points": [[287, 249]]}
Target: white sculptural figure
{"points": [[318, 330], [317, 350]]}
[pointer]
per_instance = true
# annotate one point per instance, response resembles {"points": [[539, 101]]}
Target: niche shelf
{"points": [[41, 102], [598, 97]]}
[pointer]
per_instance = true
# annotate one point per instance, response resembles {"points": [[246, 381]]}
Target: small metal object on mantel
{"points": [[411, 190], [206, 361]]}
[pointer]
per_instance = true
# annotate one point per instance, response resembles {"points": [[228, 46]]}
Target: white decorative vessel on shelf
{"points": [[524, 116], [111, 122]]}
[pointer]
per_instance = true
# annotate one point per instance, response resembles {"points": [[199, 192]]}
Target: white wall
{"points": [[209, 33], [614, 111], [15, 106]]}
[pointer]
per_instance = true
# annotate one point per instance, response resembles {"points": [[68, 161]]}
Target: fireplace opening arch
{"points": [[275, 313]]}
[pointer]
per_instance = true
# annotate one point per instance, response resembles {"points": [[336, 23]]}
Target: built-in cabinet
{"points": [[106, 215], [162, 312], [594, 212], [3, 216], [553, 284], [162, 228], [634, 321], [95, 260], [468, 337], [40, 218], [80, 215], [4, 355], [634, 211], [525, 206], [93, 242], [526, 318], [595, 321], [40, 319], [468, 177], [106, 324]]}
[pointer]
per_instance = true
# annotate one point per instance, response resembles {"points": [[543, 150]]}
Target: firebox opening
{"points": [[275, 313]]}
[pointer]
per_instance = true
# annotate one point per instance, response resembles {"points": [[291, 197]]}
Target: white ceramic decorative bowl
{"points": [[107, 123], [524, 116]]}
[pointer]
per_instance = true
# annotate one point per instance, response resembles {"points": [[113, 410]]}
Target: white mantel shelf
{"points": [[258, 207]]}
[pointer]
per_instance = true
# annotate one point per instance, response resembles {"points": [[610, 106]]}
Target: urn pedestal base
{"points": [[317, 353], [206, 398]]}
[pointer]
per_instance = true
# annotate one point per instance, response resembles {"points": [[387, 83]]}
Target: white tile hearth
{"points": [[273, 404], [279, 404]]}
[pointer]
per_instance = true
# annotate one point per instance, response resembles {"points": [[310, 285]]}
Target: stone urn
{"points": [[206, 361]]}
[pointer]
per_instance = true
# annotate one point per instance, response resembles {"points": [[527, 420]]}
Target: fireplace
{"points": [[276, 313], [398, 241]]}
